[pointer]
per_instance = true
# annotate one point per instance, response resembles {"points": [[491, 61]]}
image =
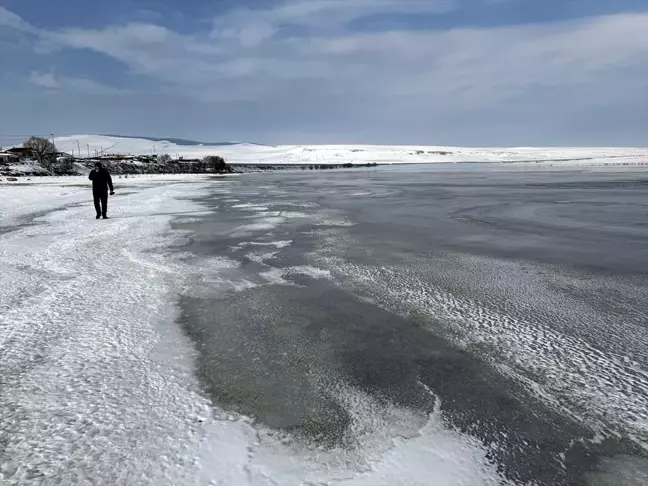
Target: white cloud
{"points": [[251, 26], [44, 80], [249, 55], [84, 85], [92, 87], [10, 19], [247, 58], [488, 64]]}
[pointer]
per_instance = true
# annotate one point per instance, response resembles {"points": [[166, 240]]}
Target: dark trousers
{"points": [[101, 197]]}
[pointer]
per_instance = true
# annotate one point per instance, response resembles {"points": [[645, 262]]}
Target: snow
{"points": [[359, 154], [98, 383], [276, 244], [27, 167], [28, 196], [95, 374]]}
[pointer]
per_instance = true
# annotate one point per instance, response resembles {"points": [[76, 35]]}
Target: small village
{"points": [[39, 157]]}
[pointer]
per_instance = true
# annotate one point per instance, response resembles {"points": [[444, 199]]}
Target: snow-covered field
{"points": [[97, 379], [327, 154]]}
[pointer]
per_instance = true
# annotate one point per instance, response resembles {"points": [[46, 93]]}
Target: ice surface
{"points": [[97, 379], [602, 390]]}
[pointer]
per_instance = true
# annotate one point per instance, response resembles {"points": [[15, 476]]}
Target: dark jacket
{"points": [[101, 181]]}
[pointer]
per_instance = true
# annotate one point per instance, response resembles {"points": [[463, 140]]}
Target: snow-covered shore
{"points": [[28, 196]]}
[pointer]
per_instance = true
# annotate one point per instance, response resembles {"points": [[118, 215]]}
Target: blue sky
{"points": [[445, 72]]}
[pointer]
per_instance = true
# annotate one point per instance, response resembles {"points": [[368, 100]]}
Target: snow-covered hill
{"points": [[245, 153]]}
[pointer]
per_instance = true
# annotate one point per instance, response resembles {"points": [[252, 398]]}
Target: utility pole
{"points": [[88, 147], [79, 147], [52, 135]]}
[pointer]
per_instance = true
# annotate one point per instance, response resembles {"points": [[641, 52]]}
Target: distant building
{"points": [[9, 157], [21, 152]]}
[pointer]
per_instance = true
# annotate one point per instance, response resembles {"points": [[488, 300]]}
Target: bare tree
{"points": [[164, 159], [43, 149], [215, 163]]}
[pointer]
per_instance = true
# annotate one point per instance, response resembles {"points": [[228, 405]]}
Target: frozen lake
{"points": [[412, 325]]}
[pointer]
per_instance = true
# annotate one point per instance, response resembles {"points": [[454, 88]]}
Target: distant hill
{"points": [[181, 141], [245, 153]]}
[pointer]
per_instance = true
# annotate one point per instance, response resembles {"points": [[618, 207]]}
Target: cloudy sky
{"points": [[444, 72]]}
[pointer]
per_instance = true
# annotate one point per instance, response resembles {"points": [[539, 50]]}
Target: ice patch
{"points": [[264, 214], [188, 220], [246, 229], [260, 257], [217, 274], [260, 224], [340, 223], [293, 214], [335, 220], [223, 281], [296, 204], [250, 207], [273, 220], [218, 263], [279, 216], [276, 244], [277, 275], [309, 271], [242, 284]]}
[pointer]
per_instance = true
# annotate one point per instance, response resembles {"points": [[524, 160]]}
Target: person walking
{"points": [[101, 182]]}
